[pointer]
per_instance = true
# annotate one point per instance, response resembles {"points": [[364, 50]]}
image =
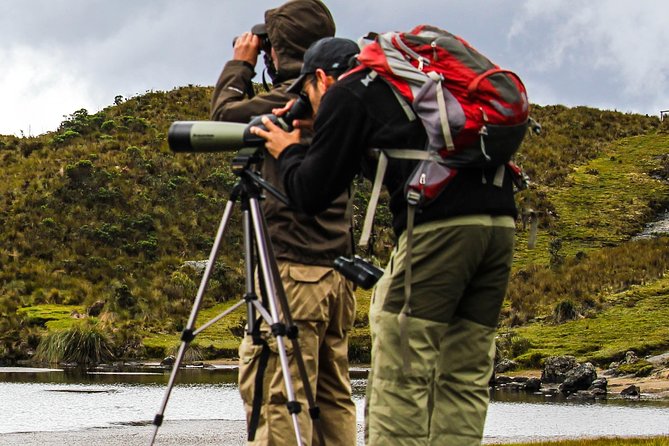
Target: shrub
{"points": [[82, 344], [108, 125], [64, 137], [511, 345], [564, 311]]}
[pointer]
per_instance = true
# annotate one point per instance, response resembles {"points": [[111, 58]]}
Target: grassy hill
{"points": [[101, 210]]}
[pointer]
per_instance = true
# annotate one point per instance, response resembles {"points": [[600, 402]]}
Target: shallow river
{"points": [[63, 401]]}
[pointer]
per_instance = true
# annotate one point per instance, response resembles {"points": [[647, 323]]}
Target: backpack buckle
{"points": [[414, 197]]}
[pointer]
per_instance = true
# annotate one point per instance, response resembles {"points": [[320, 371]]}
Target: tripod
{"points": [[248, 191]]}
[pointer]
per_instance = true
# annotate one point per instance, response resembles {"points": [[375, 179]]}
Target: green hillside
{"points": [[101, 210]]}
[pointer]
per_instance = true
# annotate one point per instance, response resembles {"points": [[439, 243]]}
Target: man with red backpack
{"points": [[431, 364]]}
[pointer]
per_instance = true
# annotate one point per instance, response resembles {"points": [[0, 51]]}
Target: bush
{"points": [[82, 344], [564, 311], [108, 126]]}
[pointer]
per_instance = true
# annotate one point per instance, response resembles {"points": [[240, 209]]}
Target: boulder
{"points": [[631, 392], [599, 383], [505, 365], [556, 368], [95, 309], [532, 385], [168, 361], [578, 378]]}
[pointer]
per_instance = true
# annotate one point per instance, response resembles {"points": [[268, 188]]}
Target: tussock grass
{"points": [[82, 344]]}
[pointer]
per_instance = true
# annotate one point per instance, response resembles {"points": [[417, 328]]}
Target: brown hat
{"points": [[293, 27]]}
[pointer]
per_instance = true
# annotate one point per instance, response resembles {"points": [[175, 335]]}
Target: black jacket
{"points": [[356, 115]]}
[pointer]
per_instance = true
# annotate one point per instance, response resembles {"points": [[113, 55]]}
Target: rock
{"points": [[659, 360], [556, 368], [599, 394], [532, 385], [505, 365], [631, 392], [197, 265], [502, 379], [579, 378], [581, 395], [95, 309], [515, 386], [168, 361], [631, 357], [599, 383]]}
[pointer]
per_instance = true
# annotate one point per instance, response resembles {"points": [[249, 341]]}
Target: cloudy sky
{"points": [[57, 56]]}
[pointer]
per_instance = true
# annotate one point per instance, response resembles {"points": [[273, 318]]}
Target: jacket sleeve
{"points": [[230, 101], [313, 176]]}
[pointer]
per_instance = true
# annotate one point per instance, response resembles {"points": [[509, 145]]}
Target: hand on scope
{"points": [[276, 140], [247, 48], [304, 124]]}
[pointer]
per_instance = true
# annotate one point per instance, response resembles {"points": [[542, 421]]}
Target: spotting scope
{"points": [[220, 136]]}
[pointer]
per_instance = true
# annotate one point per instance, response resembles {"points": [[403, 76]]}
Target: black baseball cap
{"points": [[329, 54]]}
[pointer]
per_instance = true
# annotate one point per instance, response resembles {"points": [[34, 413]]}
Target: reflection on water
{"points": [[70, 400]]}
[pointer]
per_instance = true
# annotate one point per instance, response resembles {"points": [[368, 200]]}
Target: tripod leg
{"points": [[265, 257], [188, 335]]}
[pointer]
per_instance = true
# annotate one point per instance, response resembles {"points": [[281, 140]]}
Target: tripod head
{"points": [[250, 180], [245, 158]]}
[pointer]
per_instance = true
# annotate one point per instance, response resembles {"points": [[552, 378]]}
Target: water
{"points": [[56, 400], [656, 228]]}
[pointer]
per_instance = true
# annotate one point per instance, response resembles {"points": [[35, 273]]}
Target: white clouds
{"points": [[37, 91], [62, 55], [58, 56], [611, 51]]}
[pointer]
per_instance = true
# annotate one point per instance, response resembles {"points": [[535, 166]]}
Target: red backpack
{"points": [[475, 113]]}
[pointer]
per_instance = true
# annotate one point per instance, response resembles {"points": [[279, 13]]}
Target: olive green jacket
{"points": [[312, 240]]}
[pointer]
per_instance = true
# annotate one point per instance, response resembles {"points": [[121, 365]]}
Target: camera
{"points": [[358, 270], [216, 136]]}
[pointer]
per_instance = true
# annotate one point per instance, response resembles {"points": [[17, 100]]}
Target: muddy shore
{"points": [[232, 432]]}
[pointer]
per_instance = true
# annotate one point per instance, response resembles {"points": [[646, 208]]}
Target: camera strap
{"points": [[258, 390]]}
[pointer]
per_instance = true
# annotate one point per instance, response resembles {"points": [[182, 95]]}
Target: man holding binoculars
{"points": [[321, 300]]}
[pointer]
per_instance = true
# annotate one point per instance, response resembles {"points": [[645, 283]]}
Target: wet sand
{"points": [[217, 432], [171, 433]]}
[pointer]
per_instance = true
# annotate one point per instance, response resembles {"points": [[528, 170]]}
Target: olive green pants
{"points": [[460, 270], [322, 305]]}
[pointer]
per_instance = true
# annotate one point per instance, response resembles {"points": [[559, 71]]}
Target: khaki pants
{"points": [[322, 305], [460, 271]]}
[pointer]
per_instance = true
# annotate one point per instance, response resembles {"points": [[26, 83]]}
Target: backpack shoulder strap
{"points": [[373, 200]]}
